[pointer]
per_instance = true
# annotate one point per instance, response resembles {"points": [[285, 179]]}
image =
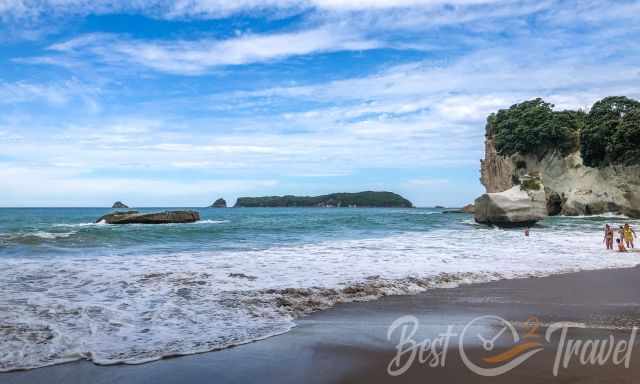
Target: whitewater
{"points": [[72, 289]]}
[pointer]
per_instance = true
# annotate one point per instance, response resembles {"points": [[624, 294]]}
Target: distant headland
{"points": [[367, 199]]}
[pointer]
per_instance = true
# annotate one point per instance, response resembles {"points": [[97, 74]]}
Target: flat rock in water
{"points": [[135, 217], [469, 208]]}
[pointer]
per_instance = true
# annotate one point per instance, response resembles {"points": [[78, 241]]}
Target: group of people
{"points": [[624, 240]]}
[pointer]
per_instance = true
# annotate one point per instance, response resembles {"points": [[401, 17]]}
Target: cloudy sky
{"points": [[178, 103]]}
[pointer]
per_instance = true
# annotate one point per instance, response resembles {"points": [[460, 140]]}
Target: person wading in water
{"points": [[608, 236], [628, 234]]}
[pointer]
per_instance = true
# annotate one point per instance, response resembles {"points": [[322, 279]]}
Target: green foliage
{"points": [[532, 184], [532, 127], [610, 135], [360, 199], [624, 145]]}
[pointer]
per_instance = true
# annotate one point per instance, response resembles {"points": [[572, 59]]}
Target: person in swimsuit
{"points": [[608, 236], [621, 247], [629, 234]]}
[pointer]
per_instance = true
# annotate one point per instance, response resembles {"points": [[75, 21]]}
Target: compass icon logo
{"points": [[493, 363]]}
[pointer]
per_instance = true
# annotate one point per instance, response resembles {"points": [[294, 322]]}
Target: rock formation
{"points": [[220, 203], [119, 205], [571, 187], [135, 217], [469, 208], [521, 205], [588, 162]]}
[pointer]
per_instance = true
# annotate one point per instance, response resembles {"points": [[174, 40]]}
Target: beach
{"points": [[315, 191], [348, 343], [79, 290]]}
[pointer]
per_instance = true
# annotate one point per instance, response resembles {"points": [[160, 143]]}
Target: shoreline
{"points": [[355, 332], [377, 290], [246, 299]]}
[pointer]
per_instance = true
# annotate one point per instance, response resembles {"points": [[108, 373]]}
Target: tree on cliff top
{"points": [[612, 132], [532, 127], [624, 147]]}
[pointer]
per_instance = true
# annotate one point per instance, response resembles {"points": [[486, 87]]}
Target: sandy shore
{"points": [[348, 344]]}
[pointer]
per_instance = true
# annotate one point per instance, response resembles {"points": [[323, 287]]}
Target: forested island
{"points": [[368, 199]]}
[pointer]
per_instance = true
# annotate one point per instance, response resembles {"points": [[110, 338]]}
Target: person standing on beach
{"points": [[628, 234], [608, 236]]}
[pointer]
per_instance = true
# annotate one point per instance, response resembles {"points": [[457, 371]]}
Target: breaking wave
{"points": [[141, 306]]}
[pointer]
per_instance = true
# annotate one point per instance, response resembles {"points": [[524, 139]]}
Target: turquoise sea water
{"points": [[50, 232], [73, 289]]}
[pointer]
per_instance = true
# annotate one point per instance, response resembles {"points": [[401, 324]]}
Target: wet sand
{"points": [[348, 344]]}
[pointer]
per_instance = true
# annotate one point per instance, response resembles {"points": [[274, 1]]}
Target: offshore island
{"points": [[367, 199]]}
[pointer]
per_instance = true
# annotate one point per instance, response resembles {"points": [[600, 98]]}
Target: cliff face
{"points": [[571, 187]]}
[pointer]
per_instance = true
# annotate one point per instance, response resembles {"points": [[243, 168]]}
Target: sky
{"points": [[177, 103]]}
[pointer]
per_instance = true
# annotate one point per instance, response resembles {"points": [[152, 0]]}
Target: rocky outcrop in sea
{"points": [[571, 188], [220, 203], [135, 217], [587, 163], [119, 205], [521, 205]]}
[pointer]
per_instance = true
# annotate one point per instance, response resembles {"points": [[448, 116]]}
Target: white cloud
{"points": [[8, 136], [421, 115], [207, 8], [195, 57], [221, 8], [54, 93], [476, 83]]}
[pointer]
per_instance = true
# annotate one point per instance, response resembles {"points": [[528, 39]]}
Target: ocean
{"points": [[72, 289]]}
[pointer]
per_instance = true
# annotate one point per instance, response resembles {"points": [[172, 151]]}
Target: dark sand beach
{"points": [[348, 343]]}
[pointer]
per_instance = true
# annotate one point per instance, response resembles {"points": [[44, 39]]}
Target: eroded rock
{"points": [[135, 217]]}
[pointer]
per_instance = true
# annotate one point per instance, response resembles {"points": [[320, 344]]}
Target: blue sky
{"points": [[163, 103]]}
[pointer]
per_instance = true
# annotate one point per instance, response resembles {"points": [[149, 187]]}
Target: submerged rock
{"points": [[135, 217], [242, 276], [220, 203], [119, 205], [522, 205]]}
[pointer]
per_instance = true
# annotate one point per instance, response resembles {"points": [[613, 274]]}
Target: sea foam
{"points": [[138, 308]]}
